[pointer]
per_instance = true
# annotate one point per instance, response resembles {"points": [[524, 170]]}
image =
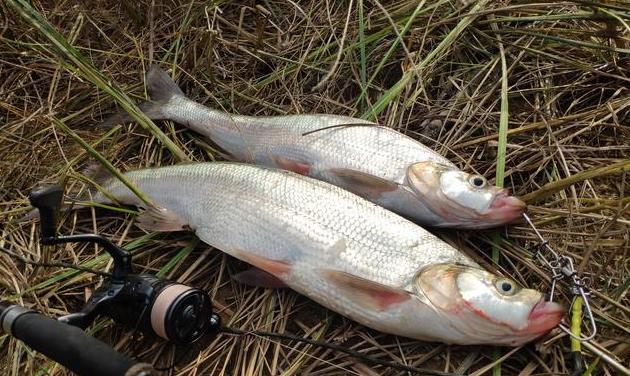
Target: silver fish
{"points": [[375, 162], [340, 250]]}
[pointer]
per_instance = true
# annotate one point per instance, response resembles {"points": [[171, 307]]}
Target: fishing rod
{"points": [[66, 344], [173, 311]]}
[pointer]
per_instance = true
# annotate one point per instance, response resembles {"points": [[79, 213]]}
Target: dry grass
{"points": [[438, 78]]}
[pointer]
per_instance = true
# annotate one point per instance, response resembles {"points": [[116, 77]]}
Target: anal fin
{"points": [[160, 219], [370, 294], [361, 183], [276, 268]]}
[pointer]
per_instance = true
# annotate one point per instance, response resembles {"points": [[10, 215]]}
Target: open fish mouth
{"points": [[506, 207], [544, 317]]}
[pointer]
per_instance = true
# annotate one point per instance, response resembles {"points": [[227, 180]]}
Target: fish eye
{"points": [[478, 181], [505, 287]]}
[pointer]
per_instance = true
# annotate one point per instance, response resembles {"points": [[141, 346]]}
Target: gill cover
{"points": [[462, 199]]}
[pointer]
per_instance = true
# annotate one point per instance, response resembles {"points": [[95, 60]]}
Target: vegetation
{"points": [[535, 94]]}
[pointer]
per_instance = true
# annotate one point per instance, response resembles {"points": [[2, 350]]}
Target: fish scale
{"points": [[369, 148]]}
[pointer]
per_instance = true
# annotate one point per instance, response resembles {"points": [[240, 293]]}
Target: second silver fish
{"points": [[375, 162]]}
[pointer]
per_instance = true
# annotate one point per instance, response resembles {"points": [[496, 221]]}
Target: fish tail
{"points": [[168, 102], [162, 90], [161, 86], [98, 174]]}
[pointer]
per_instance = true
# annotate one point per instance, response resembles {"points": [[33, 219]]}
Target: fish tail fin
{"points": [[98, 176], [162, 90], [96, 173], [161, 86]]}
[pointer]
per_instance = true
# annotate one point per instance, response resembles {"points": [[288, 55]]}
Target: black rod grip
{"points": [[72, 347], [47, 199]]}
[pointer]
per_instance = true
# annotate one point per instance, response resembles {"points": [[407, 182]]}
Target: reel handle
{"points": [[47, 199], [67, 345]]}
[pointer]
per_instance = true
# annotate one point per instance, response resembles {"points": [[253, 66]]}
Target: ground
{"points": [[456, 75]]}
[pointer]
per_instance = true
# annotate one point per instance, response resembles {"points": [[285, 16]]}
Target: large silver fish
{"points": [[375, 162], [340, 250]]}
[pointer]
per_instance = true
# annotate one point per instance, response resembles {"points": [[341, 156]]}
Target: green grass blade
{"points": [[541, 18], [393, 93], [589, 371], [177, 258], [503, 121], [392, 48], [317, 54], [500, 171], [62, 276], [102, 160], [568, 41], [496, 354], [614, 15], [362, 59], [94, 263], [558, 185], [85, 69]]}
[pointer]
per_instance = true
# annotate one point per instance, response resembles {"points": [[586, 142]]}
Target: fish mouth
{"points": [[544, 317], [506, 207]]}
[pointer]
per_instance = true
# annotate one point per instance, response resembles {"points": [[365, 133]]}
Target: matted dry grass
{"points": [[566, 76]]}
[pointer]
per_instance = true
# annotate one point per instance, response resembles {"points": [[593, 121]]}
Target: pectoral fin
{"points": [[258, 278], [361, 183], [372, 295], [161, 219], [298, 167]]}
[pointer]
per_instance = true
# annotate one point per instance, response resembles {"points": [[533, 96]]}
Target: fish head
{"points": [[461, 199], [481, 307]]}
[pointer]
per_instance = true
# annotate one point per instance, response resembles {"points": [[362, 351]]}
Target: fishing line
{"points": [[332, 346], [341, 125]]}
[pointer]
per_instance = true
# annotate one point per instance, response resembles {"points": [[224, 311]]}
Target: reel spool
{"points": [[170, 310]]}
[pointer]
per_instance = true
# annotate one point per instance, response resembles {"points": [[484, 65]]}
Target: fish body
{"points": [[342, 251], [375, 162]]}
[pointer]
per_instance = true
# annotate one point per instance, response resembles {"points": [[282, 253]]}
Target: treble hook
{"points": [[562, 267]]}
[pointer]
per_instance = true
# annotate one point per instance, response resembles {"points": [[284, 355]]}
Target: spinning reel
{"points": [[173, 311]]}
